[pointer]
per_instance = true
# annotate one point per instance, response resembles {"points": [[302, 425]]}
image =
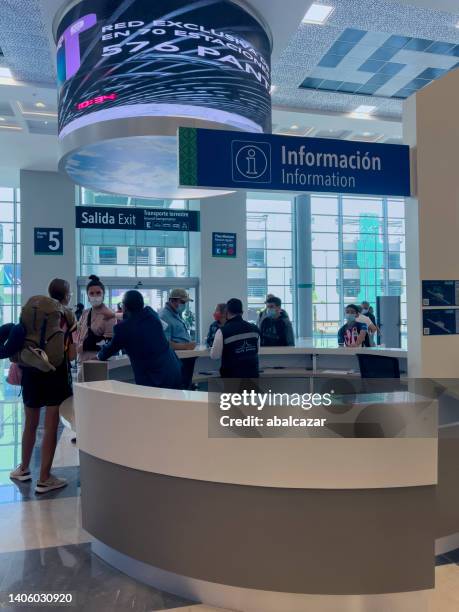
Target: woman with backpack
{"points": [[48, 324], [95, 325]]}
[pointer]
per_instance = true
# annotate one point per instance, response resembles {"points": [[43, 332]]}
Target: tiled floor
{"points": [[43, 546]]}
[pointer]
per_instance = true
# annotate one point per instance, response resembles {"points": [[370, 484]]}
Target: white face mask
{"points": [[96, 300]]}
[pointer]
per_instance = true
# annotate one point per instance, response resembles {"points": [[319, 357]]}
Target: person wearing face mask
{"points": [[96, 324], [367, 316], [141, 335], [276, 328], [177, 332], [219, 322], [353, 333]]}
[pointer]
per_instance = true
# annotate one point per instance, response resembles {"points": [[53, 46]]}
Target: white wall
{"points": [[47, 200], [220, 279], [433, 218]]}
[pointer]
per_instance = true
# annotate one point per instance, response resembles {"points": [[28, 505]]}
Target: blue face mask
{"points": [[270, 312], [350, 318], [181, 308]]}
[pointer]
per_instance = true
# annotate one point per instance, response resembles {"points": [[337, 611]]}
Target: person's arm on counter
{"points": [[216, 351], [113, 347], [182, 346]]}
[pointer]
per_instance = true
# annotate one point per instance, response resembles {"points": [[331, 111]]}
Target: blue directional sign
{"points": [[235, 160], [48, 241], [224, 244]]}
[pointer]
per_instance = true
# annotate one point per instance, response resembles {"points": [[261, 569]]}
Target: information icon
{"points": [[251, 161]]}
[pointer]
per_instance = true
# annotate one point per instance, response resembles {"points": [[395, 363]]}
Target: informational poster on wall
{"points": [[440, 293], [440, 321], [129, 218], [224, 244], [48, 241]]}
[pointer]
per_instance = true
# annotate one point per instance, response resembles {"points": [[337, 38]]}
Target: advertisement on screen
{"points": [[209, 60]]}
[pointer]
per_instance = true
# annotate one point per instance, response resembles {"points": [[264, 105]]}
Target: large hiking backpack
{"points": [[43, 348]]}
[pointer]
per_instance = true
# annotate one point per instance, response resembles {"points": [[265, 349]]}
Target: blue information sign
{"points": [[237, 160], [48, 241], [440, 321], [129, 218], [440, 293], [224, 244]]}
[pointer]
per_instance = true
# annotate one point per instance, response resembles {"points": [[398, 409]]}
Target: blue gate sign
{"points": [[223, 244], [270, 162], [48, 241]]}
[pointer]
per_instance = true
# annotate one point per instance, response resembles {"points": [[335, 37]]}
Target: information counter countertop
{"points": [[258, 524], [307, 356]]}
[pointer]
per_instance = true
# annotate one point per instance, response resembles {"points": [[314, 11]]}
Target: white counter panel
{"points": [[166, 432]]}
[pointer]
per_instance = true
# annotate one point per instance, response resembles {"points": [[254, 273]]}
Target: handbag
{"points": [[14, 375], [90, 343]]}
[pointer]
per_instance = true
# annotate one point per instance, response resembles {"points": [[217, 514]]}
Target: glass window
{"points": [[132, 253], [10, 269], [324, 205], [323, 223], [269, 252], [350, 264]]}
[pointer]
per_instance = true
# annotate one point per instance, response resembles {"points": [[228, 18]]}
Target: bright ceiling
{"points": [[28, 103]]}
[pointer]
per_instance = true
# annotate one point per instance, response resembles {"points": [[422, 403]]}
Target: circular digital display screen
{"points": [[204, 59]]}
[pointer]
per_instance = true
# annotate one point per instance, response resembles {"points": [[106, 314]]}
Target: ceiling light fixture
{"points": [[5, 73], [363, 111], [10, 127], [294, 127], [318, 14], [2, 119], [40, 104], [52, 115]]}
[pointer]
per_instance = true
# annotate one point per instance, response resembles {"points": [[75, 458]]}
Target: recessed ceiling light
{"points": [[367, 134], [363, 109], [294, 127], [40, 104], [363, 112], [318, 14]]}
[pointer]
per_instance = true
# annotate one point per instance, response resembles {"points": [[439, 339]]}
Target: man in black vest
{"points": [[236, 343]]}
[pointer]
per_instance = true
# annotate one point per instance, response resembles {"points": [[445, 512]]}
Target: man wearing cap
{"points": [[177, 332]]}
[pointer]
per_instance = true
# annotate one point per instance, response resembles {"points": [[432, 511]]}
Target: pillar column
{"points": [[219, 278], [47, 200], [303, 255], [432, 218]]}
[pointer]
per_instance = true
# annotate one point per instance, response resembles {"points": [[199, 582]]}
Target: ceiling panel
{"points": [[368, 53]]}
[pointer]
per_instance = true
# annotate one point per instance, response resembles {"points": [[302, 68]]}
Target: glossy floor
{"points": [[43, 546]]}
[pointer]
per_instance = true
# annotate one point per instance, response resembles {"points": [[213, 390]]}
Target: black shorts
{"points": [[46, 388]]}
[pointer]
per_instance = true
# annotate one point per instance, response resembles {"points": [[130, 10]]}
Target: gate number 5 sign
{"points": [[49, 241]]}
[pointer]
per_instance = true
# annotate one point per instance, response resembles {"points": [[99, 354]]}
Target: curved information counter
{"points": [[264, 524]]}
